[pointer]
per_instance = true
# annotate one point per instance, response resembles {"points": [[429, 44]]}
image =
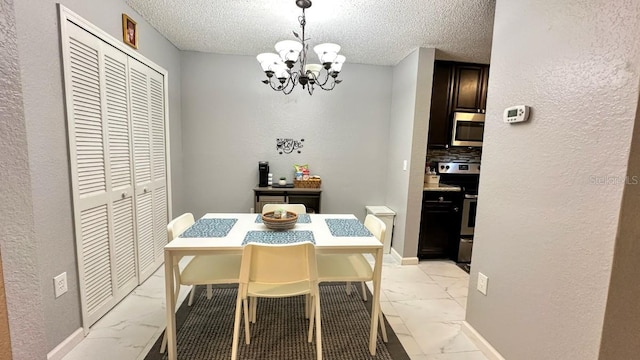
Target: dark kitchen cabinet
{"points": [[470, 88], [456, 87], [485, 85], [439, 127], [440, 224]]}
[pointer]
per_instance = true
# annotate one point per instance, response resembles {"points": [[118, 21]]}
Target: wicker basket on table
{"points": [[309, 184], [281, 223]]}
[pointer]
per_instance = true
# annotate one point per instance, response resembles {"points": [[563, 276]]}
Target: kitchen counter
{"points": [[441, 187]]}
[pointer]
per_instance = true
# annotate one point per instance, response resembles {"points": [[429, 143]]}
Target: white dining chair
{"points": [[275, 271], [294, 208], [353, 267], [202, 269]]}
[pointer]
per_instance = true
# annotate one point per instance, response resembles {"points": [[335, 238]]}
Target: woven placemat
{"points": [[347, 227], [209, 228], [278, 237]]}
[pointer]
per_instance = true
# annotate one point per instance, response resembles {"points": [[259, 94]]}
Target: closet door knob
{"points": [[124, 194], [145, 190]]}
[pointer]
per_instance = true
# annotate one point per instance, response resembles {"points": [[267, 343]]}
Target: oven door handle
{"points": [[467, 196]]}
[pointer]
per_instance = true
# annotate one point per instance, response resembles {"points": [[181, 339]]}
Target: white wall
{"points": [[411, 103], [232, 121], [41, 76], [545, 232]]}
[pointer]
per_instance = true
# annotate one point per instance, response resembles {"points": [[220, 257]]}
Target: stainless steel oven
{"points": [[469, 206], [465, 175], [467, 225], [468, 129]]}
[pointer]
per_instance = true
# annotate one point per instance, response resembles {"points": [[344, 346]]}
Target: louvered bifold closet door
{"points": [[101, 169], [121, 170], [148, 120], [158, 164]]}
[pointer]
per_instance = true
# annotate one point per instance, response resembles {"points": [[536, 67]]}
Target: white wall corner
{"points": [[66, 345], [483, 345]]}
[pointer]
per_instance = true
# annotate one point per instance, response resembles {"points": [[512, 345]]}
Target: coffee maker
{"points": [[263, 170]]}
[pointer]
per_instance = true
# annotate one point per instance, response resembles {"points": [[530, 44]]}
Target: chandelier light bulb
{"points": [[289, 50], [269, 61], [327, 52], [281, 72], [336, 66], [313, 69]]}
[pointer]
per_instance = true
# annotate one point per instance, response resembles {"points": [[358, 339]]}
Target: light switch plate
{"points": [[483, 281], [60, 284]]}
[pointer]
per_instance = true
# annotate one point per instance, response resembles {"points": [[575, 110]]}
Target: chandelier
{"points": [[279, 68]]}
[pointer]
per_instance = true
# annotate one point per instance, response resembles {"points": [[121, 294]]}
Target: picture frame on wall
{"points": [[129, 31]]}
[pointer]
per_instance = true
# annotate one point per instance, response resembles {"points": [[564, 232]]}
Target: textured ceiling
{"points": [[370, 32]]}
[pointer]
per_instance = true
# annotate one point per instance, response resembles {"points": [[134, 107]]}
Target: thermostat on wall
{"points": [[514, 114]]}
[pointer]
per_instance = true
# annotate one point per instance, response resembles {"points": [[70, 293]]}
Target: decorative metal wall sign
{"points": [[287, 146]]}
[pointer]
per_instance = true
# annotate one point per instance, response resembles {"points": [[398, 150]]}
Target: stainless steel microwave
{"points": [[468, 129]]}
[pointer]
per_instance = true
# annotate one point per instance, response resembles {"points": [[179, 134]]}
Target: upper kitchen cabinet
{"points": [[456, 87], [440, 105], [470, 88]]}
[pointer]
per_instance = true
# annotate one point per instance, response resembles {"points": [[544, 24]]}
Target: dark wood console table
{"points": [[310, 197]]}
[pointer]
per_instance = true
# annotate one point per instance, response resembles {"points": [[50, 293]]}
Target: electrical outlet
{"points": [[60, 284], [404, 165], [483, 281], [251, 210]]}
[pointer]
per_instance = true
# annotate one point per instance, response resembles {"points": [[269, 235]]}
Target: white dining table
{"points": [[232, 242]]}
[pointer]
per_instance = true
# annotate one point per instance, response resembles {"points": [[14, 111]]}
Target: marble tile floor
{"points": [[424, 304]]}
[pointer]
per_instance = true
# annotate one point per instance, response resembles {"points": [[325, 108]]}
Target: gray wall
{"points": [[620, 338], [40, 67], [232, 121], [411, 102], [545, 229], [17, 243]]}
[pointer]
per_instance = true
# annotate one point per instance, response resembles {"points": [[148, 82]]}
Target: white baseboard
{"points": [[409, 261], [489, 351], [66, 345], [403, 261]]}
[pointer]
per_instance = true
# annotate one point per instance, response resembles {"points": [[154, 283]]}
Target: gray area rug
{"points": [[205, 329]]}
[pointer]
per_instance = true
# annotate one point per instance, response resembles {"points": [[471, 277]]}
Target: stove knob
{"points": [[447, 167]]}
